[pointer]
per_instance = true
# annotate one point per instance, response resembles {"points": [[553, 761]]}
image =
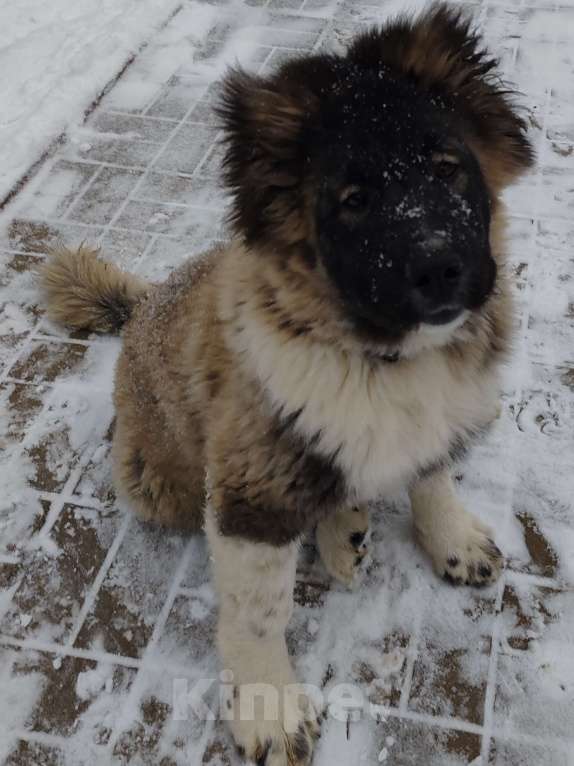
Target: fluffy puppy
{"points": [[345, 342]]}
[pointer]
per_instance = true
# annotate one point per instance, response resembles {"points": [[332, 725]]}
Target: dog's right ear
{"points": [[263, 120]]}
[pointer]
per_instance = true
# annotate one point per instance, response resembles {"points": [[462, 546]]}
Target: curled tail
{"points": [[84, 292]]}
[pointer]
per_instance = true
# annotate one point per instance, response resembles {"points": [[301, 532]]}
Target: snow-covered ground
{"points": [[55, 59], [104, 623]]}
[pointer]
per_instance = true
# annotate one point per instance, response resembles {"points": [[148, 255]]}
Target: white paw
{"points": [[286, 739], [464, 552], [343, 542]]}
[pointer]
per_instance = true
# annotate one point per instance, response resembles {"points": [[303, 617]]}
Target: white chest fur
{"points": [[384, 421]]}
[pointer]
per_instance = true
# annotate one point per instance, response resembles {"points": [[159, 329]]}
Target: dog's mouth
{"points": [[443, 316], [392, 341]]}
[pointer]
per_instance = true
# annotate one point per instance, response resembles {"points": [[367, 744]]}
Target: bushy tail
{"points": [[84, 292]]}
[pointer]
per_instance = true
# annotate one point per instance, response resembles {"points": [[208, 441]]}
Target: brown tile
{"points": [[9, 574], [45, 362], [526, 612], [378, 668], [30, 236], [70, 687], [443, 685], [33, 754], [190, 631], [536, 663], [133, 592], [51, 459], [406, 743], [143, 738], [20, 522], [449, 675], [310, 594], [21, 403], [218, 753], [156, 731], [95, 482], [59, 573], [543, 558]]}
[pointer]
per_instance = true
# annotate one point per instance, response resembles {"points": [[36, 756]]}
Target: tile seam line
{"points": [[138, 686]]}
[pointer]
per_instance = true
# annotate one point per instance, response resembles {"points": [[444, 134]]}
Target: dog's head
{"points": [[383, 167]]}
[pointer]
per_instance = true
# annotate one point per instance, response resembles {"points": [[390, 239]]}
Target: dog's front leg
{"points": [[460, 546], [273, 721]]}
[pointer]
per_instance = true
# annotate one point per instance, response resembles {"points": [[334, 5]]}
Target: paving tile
{"points": [[105, 196], [183, 190], [20, 523], [157, 736], [33, 754], [450, 680], [537, 659], [36, 236], [124, 248], [19, 309], [177, 98], [132, 594], [76, 694], [58, 573], [398, 742], [142, 179], [95, 483], [115, 151], [186, 149], [132, 126], [44, 362], [155, 217], [58, 188]]}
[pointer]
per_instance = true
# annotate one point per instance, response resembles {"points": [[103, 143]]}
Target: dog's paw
{"points": [[466, 554], [289, 741], [343, 542]]}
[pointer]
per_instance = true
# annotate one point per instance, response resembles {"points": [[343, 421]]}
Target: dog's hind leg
{"points": [[460, 546], [343, 542], [165, 492]]}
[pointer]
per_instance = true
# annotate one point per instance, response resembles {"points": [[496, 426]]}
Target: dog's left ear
{"points": [[263, 120], [441, 52]]}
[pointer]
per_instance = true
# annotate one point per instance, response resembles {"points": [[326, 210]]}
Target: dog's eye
{"points": [[446, 168], [354, 199]]}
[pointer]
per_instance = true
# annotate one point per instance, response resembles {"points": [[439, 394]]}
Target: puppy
{"points": [[346, 342]]}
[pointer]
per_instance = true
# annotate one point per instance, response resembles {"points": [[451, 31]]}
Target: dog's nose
{"points": [[435, 281]]}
